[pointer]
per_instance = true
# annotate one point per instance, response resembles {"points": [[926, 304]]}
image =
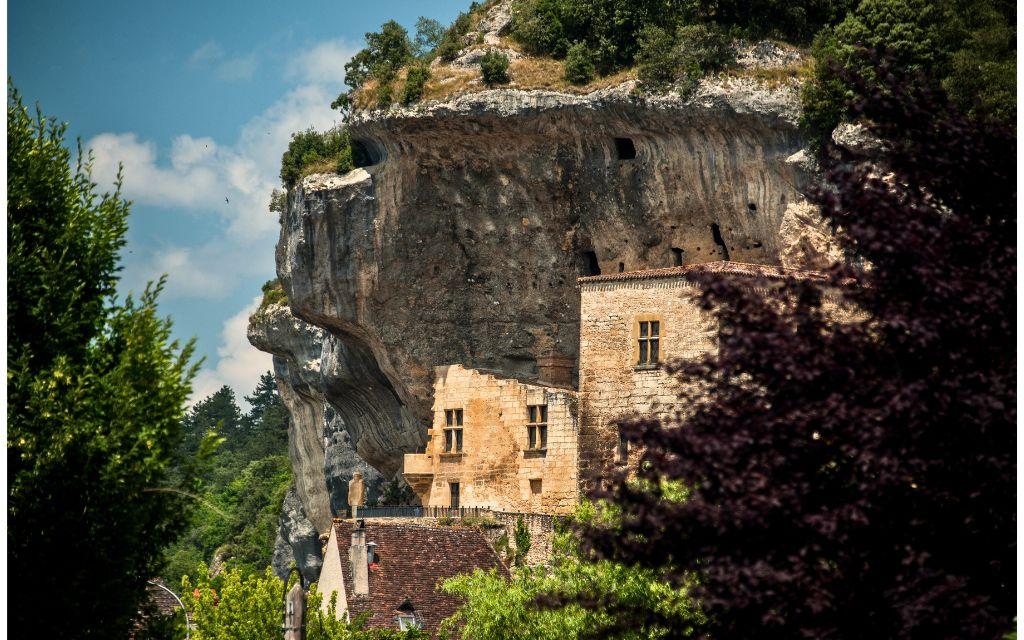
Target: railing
{"points": [[546, 521]]}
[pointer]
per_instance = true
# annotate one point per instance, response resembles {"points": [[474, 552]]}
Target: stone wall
{"points": [[612, 385], [496, 469]]}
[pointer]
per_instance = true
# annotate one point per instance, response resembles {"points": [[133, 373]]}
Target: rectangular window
{"points": [[453, 430], [406, 622], [649, 338], [537, 426], [536, 486], [454, 488]]}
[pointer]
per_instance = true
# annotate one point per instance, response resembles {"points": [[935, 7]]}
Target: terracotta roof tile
{"points": [[413, 561], [721, 266]]}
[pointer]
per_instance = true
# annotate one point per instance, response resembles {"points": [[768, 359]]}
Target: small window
{"points": [[536, 486], [453, 431], [622, 450], [537, 427], [677, 257], [406, 622], [649, 342], [453, 487], [625, 149]]}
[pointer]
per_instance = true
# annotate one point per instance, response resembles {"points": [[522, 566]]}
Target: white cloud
{"points": [[211, 55], [324, 63], [239, 364], [229, 180]]}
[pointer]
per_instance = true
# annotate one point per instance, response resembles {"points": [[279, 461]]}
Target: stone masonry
{"points": [[496, 468]]}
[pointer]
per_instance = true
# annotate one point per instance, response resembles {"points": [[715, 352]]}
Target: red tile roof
{"points": [[413, 560], [721, 266]]}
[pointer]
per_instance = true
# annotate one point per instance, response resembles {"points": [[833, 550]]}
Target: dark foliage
{"points": [[331, 149], [681, 56], [579, 67], [415, 79], [853, 475]]}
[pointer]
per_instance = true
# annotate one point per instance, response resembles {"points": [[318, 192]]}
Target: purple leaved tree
{"points": [[853, 478]]}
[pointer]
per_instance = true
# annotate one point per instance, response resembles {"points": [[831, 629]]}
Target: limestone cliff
{"points": [[463, 241]]}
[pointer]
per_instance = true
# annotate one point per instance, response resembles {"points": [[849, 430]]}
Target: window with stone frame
{"points": [[648, 342], [453, 431], [537, 427]]}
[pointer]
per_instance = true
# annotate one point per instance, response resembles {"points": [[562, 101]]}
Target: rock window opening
{"points": [[622, 449], [622, 267], [453, 488], [537, 427], [365, 154], [453, 431], [752, 207], [590, 265], [625, 149], [649, 342], [536, 486], [716, 235], [677, 257]]}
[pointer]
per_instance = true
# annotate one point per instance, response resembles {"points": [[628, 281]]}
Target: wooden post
{"points": [[295, 614]]}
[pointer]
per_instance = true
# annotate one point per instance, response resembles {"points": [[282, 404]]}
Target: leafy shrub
{"points": [[690, 53], [385, 94], [968, 47], [278, 201], [429, 35], [310, 147], [579, 67], [415, 79], [273, 293], [522, 540], [494, 68], [446, 521]]}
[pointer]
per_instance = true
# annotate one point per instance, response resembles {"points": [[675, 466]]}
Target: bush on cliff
{"points": [[968, 47], [311, 151], [415, 79], [96, 390], [853, 477], [494, 68], [579, 67], [683, 56]]}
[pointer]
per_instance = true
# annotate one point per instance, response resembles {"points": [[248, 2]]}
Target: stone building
{"points": [[486, 447], [498, 443]]}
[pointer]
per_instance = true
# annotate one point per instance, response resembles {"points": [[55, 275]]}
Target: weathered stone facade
{"points": [[495, 467]]}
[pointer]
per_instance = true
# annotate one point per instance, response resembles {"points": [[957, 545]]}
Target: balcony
{"points": [[418, 464]]}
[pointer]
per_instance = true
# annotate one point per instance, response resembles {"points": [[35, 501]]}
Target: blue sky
{"points": [[197, 100]]}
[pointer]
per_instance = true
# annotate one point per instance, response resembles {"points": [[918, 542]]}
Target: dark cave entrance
{"points": [[625, 149], [589, 266], [716, 235]]}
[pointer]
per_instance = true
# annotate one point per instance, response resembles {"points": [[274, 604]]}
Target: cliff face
{"points": [[462, 244]]}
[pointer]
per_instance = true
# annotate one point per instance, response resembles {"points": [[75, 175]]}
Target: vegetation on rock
{"points": [[311, 152], [96, 390], [853, 478], [665, 58], [579, 67], [494, 68]]}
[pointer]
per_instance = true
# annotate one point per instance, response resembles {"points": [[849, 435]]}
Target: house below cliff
{"points": [[390, 573]]}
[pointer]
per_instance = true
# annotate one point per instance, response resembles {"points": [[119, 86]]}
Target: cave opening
{"points": [[625, 149], [622, 267], [677, 257], [589, 264], [752, 207], [716, 235], [366, 153]]}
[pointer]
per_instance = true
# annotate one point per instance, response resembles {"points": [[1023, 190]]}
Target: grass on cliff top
{"points": [[273, 292], [526, 73]]}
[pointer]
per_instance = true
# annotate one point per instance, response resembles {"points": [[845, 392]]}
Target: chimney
{"points": [[555, 370], [357, 555]]}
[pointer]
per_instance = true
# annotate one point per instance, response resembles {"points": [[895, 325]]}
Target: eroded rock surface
{"points": [[463, 242]]}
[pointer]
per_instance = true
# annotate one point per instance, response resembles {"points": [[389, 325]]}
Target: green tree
{"points": [[686, 55], [501, 609], [308, 150], [429, 34], [239, 606], [96, 392]]}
